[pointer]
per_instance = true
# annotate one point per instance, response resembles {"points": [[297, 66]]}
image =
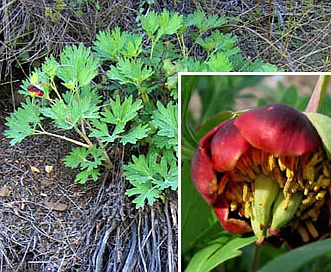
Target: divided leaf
{"points": [[100, 131], [150, 176], [77, 66], [144, 191], [204, 23], [119, 114], [219, 62], [50, 67], [166, 121], [218, 41], [67, 113], [149, 24], [135, 134], [168, 23], [23, 122], [130, 72], [88, 160], [116, 44], [165, 23]]}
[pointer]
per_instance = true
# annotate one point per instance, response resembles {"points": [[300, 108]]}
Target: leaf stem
{"points": [[83, 135], [44, 132], [110, 165], [152, 49]]}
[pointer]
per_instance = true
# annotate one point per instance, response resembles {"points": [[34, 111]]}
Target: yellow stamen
{"points": [[320, 195], [312, 230], [247, 209], [304, 234], [308, 175], [281, 163], [271, 163]]}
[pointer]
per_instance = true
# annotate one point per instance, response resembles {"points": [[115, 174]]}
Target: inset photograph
{"points": [[255, 172]]}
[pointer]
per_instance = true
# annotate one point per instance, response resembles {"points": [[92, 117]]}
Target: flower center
{"points": [[308, 175]]}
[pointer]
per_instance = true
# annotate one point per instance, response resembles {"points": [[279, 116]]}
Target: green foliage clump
{"points": [[139, 73]]}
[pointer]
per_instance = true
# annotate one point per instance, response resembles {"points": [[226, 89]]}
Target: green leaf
{"points": [[219, 42], [60, 114], [322, 123], [259, 66], [121, 113], [158, 25], [142, 169], [100, 130], [77, 66], [23, 122], [168, 23], [168, 170], [136, 133], [88, 160], [150, 176], [50, 67], [204, 23], [166, 121], [108, 45], [301, 255], [145, 191], [116, 44], [149, 23], [84, 175], [162, 142], [130, 72], [76, 157], [189, 143], [218, 251], [67, 113], [219, 63]]}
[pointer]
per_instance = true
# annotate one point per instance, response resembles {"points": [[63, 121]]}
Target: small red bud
{"points": [[35, 91]]}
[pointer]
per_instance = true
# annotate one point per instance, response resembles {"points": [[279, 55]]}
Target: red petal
{"points": [[227, 146], [235, 226], [278, 129], [203, 176]]}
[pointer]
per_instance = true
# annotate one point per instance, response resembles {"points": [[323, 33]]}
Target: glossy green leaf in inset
{"points": [[296, 258], [217, 252], [322, 123]]}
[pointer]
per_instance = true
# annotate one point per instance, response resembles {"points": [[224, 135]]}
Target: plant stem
{"points": [[256, 257], [108, 161], [43, 132], [152, 49], [84, 136]]}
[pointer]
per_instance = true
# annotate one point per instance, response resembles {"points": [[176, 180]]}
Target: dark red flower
{"points": [[35, 91], [264, 171]]}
